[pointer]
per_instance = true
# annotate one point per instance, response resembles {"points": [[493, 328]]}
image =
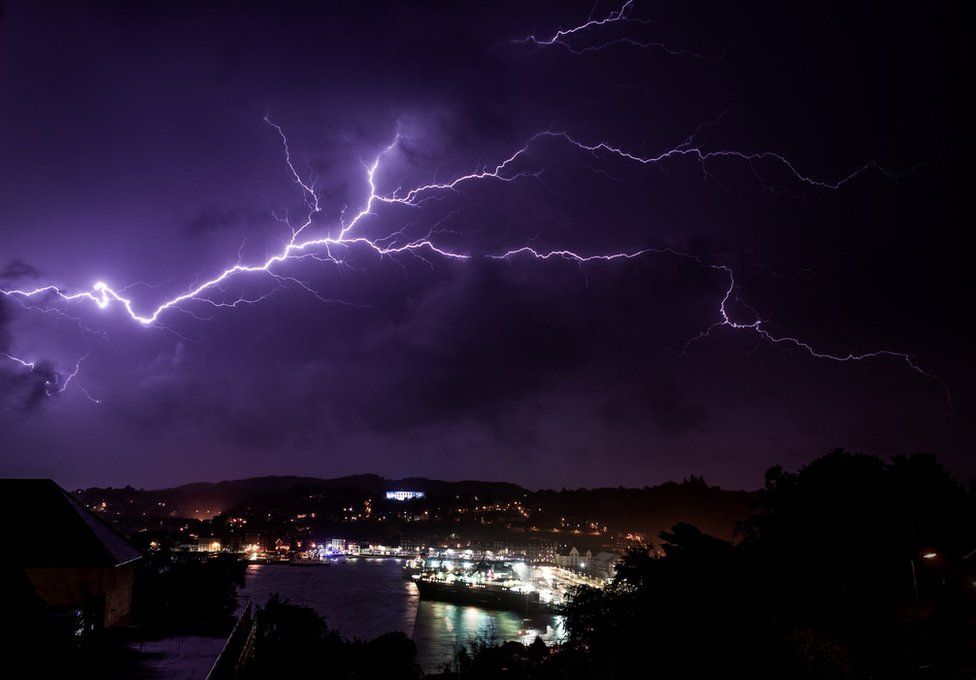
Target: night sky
{"points": [[139, 149]]}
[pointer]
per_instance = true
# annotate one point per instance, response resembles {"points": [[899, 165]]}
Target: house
{"points": [[574, 560], [208, 544], [69, 557], [602, 565]]}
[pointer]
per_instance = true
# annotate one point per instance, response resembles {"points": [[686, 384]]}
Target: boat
{"points": [[493, 585], [482, 595], [311, 561]]}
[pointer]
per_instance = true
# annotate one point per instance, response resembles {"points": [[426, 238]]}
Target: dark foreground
{"points": [[852, 567]]}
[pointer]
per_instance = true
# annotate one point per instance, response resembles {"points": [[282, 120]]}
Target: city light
{"points": [[404, 495]]}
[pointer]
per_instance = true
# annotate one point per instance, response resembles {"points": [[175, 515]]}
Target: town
{"points": [[427, 567], [306, 520]]}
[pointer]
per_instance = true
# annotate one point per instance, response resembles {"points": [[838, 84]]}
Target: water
{"points": [[441, 628], [363, 598]]}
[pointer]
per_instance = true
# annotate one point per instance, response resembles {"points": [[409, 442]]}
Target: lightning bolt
{"points": [[30, 365], [567, 37], [329, 247], [324, 247], [759, 327], [56, 384]]}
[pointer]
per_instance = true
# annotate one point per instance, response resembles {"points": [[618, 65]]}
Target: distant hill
{"points": [[579, 516], [574, 513], [653, 509], [205, 499]]}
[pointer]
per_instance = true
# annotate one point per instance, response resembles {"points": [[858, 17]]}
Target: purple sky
{"points": [[134, 151]]}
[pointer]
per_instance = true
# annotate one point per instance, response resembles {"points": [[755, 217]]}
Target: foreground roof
{"points": [[43, 526]]}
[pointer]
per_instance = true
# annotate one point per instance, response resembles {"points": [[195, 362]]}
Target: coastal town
{"points": [[201, 553], [494, 546], [444, 572]]}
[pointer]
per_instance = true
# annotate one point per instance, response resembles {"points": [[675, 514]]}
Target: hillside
{"points": [[587, 514], [206, 499]]}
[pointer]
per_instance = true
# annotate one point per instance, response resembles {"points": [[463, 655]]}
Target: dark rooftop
{"points": [[46, 527]]}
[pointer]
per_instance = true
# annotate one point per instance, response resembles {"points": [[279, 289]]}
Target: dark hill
{"points": [[205, 499], [652, 509]]}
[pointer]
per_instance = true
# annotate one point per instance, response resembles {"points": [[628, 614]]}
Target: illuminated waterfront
{"points": [[365, 597]]}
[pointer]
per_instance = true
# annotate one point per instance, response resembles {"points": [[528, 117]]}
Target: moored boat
{"points": [[483, 595]]}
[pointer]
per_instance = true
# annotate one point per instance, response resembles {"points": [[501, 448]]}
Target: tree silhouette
{"points": [[821, 585]]}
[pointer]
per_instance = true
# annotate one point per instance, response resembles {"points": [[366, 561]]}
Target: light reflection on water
{"points": [[363, 598], [441, 628]]}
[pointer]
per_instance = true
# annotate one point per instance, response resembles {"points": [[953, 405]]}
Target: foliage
{"points": [[820, 586], [171, 588], [294, 641]]}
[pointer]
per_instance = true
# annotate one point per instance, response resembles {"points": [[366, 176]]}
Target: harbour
{"points": [[366, 597]]}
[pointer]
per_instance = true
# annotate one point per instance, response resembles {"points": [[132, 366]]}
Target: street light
{"points": [[918, 608]]}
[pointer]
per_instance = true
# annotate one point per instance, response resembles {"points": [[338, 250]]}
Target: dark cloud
{"points": [[22, 389], [143, 156], [215, 218], [18, 269]]}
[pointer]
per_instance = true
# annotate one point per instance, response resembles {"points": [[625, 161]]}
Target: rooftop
{"points": [[46, 527]]}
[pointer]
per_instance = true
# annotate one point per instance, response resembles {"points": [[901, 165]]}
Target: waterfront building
{"points": [[602, 565], [573, 560], [255, 541], [208, 544]]}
